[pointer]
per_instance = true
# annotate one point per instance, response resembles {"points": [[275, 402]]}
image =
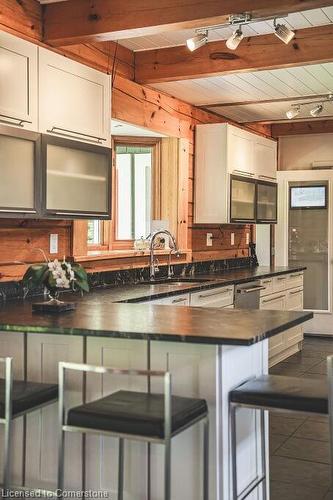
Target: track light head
{"points": [[293, 112], [199, 40], [283, 32], [235, 39], [316, 111]]}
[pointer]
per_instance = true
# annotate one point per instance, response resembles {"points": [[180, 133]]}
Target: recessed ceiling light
{"points": [[197, 41], [235, 39], [293, 112], [283, 32], [317, 110]]}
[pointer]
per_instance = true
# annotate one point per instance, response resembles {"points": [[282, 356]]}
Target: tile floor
{"points": [[299, 447]]}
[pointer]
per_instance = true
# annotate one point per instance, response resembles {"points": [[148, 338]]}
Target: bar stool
{"points": [[283, 394], [17, 398], [154, 418]]}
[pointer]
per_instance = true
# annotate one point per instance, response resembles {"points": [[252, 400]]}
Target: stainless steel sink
{"points": [[175, 281]]}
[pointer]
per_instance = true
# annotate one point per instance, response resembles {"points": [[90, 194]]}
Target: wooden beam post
{"points": [[310, 46], [75, 21]]}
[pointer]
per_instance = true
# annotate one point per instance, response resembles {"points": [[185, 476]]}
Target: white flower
{"points": [[53, 266]]}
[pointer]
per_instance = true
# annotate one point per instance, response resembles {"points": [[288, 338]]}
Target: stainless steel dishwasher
{"points": [[247, 295]]}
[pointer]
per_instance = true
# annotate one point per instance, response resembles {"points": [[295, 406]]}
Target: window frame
{"points": [[109, 227], [154, 143]]}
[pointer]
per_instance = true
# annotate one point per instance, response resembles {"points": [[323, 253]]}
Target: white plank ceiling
{"points": [[301, 81], [298, 20]]}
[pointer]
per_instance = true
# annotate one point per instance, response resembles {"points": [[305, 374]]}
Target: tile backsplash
{"points": [[15, 290]]}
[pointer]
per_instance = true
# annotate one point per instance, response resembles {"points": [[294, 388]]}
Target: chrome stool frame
{"points": [[168, 435], [261, 479], [7, 421]]}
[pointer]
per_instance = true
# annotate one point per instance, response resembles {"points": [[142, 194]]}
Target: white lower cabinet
{"points": [[283, 293], [12, 345], [43, 355], [175, 300], [102, 452]]}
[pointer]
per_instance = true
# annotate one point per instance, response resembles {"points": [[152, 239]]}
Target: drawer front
{"points": [[295, 280], [293, 336], [295, 299], [217, 297], [274, 302], [280, 282], [177, 300], [268, 284]]}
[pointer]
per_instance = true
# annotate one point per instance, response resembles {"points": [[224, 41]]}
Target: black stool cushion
{"points": [[285, 393], [137, 413], [27, 395]]}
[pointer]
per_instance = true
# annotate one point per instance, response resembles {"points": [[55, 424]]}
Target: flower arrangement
{"points": [[56, 276]]}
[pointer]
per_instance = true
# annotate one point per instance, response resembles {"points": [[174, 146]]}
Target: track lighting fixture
{"points": [[293, 112], [199, 40], [317, 110], [283, 32], [201, 37], [235, 39]]}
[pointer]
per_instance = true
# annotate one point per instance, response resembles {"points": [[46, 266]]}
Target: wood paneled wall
{"points": [[131, 102]]}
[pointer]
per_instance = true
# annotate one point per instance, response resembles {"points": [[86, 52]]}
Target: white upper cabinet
{"points": [[74, 100], [18, 82], [265, 158], [240, 152], [223, 155]]}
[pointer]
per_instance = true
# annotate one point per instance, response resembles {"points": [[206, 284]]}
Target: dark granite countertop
{"points": [[100, 318], [100, 314]]}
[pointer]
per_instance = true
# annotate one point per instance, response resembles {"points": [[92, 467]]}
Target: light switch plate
{"points": [[53, 243], [232, 239], [209, 239]]}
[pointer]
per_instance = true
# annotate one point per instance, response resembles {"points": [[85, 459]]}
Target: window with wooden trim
{"points": [[135, 197]]}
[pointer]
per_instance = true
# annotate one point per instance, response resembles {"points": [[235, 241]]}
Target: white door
{"points": [[74, 100], [304, 237], [18, 82]]}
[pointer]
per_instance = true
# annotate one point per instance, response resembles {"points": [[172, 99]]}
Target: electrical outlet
{"points": [[232, 239], [53, 243], [247, 238], [209, 239]]}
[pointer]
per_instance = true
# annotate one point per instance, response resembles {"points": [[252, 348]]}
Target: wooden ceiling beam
{"points": [[262, 52], [75, 21], [302, 127]]}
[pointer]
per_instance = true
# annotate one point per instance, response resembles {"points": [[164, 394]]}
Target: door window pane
{"points": [[243, 200], [94, 232], [134, 173], [308, 246]]}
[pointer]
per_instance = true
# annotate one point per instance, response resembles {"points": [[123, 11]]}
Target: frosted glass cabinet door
{"points": [[18, 161], [243, 200], [266, 202], [78, 178]]}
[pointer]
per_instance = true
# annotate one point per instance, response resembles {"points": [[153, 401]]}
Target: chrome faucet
{"points": [[173, 249]]}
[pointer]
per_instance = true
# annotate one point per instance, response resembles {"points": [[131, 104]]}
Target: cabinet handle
{"points": [[203, 295], [296, 275], [75, 135], [251, 290], [267, 177], [281, 278], [175, 301], [295, 292], [243, 172], [17, 121], [83, 214], [267, 282], [17, 210], [273, 298]]}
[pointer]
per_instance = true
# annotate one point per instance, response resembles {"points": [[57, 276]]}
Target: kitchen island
{"points": [[208, 351]]}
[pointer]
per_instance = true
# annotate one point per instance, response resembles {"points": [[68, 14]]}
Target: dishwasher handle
{"points": [[252, 289]]}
